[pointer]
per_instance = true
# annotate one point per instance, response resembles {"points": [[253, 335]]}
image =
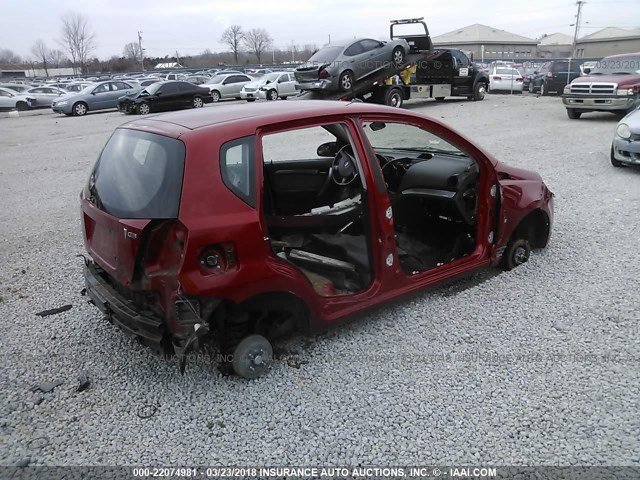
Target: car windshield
{"points": [[628, 65], [88, 89], [139, 175], [564, 66], [216, 79], [153, 88], [270, 77], [326, 55], [507, 71], [400, 136]]}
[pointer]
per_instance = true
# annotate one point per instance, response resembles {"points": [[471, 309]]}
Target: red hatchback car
{"points": [[242, 223]]}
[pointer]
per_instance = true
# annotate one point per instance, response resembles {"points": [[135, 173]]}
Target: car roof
{"points": [[255, 115]]}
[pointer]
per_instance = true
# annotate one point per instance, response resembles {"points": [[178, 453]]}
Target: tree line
{"points": [[77, 41]]}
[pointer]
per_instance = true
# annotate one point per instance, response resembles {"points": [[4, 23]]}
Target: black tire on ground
{"points": [[215, 95], [573, 114], [439, 99], [394, 98], [252, 357], [197, 102], [346, 81], [543, 90], [479, 91], [272, 95], [532, 89], [80, 109], [517, 252], [398, 56], [251, 99], [614, 162], [144, 108], [22, 106]]}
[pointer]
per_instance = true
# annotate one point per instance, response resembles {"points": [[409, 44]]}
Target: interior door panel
{"points": [[298, 186]]}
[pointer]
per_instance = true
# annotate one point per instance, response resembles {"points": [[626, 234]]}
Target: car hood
{"points": [[514, 173], [622, 80]]}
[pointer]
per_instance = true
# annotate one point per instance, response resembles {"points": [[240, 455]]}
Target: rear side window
{"points": [[564, 67], [237, 165], [138, 175]]}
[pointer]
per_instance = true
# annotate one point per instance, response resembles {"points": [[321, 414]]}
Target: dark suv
{"points": [[553, 76]]}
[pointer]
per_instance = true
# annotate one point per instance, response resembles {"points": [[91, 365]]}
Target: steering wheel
{"points": [[344, 169]]}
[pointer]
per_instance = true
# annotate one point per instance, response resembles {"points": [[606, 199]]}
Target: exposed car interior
{"points": [[433, 189], [315, 207], [316, 211]]}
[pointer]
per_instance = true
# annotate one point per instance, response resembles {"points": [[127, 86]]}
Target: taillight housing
{"points": [[519, 79], [549, 74], [217, 259], [497, 78], [323, 74], [165, 248]]}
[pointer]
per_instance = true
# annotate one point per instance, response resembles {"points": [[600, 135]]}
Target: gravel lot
{"points": [[537, 366]]}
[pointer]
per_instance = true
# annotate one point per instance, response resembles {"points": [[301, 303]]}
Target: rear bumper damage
{"points": [[146, 327]]}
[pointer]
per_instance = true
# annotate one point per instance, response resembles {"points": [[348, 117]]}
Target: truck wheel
{"points": [[252, 357], [573, 114], [346, 81], [479, 91], [614, 162], [393, 98]]}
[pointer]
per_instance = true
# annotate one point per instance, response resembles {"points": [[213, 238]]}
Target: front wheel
{"points": [[573, 114], [144, 108], [22, 106], [272, 95], [251, 99], [346, 81], [197, 102], [252, 357], [80, 109], [439, 99], [614, 162], [518, 252], [215, 96], [479, 91], [398, 56]]}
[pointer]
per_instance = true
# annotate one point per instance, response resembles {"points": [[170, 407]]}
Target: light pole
{"points": [[575, 37], [140, 48]]}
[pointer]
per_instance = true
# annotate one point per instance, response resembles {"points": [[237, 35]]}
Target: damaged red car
{"points": [[240, 224]]}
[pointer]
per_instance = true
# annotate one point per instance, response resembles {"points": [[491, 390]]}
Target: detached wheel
{"points": [[22, 106], [393, 98], [252, 357], [215, 96], [614, 162], [517, 253], [197, 102], [80, 109], [573, 114], [346, 81], [479, 91], [144, 108], [398, 56], [272, 95]]}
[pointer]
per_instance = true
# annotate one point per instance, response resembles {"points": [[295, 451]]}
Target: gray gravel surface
{"points": [[536, 366]]}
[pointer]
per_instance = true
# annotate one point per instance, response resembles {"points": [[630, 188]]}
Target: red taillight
{"points": [[549, 75], [519, 79], [497, 78], [323, 74]]}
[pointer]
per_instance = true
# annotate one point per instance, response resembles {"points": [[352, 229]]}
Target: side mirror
{"points": [[381, 44], [587, 70], [329, 149]]}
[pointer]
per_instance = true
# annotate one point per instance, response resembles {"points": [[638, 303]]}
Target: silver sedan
{"points": [[625, 149], [339, 65], [44, 96]]}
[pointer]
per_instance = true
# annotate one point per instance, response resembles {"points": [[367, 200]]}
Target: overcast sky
{"points": [[191, 26]]}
